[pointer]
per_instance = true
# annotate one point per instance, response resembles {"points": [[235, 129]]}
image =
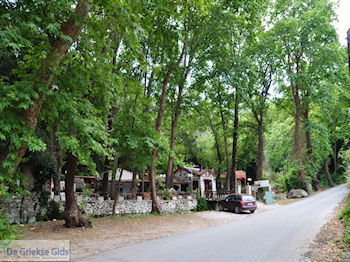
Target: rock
{"points": [[297, 193]]}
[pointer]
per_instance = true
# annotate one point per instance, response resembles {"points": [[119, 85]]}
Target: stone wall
{"points": [[24, 209], [133, 207], [28, 209]]}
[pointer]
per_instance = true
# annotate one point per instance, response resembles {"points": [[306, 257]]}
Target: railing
{"points": [[216, 195]]}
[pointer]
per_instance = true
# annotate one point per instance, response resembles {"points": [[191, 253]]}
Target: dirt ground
{"points": [[110, 233], [328, 245]]}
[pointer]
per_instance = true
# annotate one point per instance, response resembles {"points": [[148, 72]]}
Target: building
{"points": [[241, 179], [187, 177]]}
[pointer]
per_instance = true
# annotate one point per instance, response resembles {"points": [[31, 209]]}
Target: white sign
{"points": [[262, 183]]}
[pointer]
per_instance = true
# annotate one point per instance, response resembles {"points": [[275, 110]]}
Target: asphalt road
{"points": [[282, 234]]}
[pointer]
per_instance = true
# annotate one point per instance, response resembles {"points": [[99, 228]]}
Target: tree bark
{"points": [[298, 143], [335, 156], [307, 132], [218, 151], [224, 129], [315, 181], [234, 143], [58, 50], [105, 182], [329, 177], [156, 206], [114, 170], [259, 172], [73, 215], [56, 154], [174, 122], [133, 185], [57, 175]]}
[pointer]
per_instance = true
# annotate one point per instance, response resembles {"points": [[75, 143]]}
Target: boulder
{"points": [[297, 193]]}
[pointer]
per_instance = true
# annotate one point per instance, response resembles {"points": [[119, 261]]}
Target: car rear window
{"points": [[248, 198]]}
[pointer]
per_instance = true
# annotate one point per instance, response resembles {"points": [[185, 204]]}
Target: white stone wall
{"points": [[23, 209], [26, 209], [135, 207]]}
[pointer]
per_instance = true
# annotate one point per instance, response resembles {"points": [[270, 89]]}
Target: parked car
{"points": [[238, 203]]}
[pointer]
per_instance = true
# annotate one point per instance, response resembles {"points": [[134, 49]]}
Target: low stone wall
{"points": [[134, 207], [28, 209], [24, 209], [131, 207]]}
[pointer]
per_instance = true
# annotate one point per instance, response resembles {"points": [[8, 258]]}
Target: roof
{"points": [[239, 174], [196, 171]]}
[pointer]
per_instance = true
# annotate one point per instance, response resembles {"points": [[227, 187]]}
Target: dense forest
{"points": [[91, 86]]}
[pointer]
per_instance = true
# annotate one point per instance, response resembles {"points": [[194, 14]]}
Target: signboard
{"points": [[262, 183]]}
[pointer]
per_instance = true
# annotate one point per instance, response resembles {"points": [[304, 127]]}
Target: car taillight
{"points": [[242, 203]]}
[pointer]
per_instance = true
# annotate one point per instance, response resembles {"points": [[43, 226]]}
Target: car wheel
{"points": [[237, 211], [252, 211]]}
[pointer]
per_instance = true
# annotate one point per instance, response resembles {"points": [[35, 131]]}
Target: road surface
{"points": [[282, 234]]}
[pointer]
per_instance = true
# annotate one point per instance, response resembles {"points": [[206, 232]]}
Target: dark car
{"points": [[238, 203]]}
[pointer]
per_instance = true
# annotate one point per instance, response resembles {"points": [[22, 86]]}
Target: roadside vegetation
{"points": [[345, 212], [87, 87]]}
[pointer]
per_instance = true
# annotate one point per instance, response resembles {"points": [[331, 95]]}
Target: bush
{"points": [[7, 231], [202, 204], [165, 194], [54, 211], [345, 216]]}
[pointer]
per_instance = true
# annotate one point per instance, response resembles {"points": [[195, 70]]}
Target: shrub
{"points": [[165, 194], [345, 216], [7, 231], [202, 204]]}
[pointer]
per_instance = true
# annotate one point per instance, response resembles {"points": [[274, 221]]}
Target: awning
{"points": [[241, 174]]}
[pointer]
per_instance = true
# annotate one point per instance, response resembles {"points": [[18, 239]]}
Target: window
{"points": [[248, 198]]}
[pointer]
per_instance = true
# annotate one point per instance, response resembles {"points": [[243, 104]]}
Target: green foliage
{"points": [[53, 211], [345, 216], [166, 194], [107, 87], [7, 231], [86, 194], [202, 204]]}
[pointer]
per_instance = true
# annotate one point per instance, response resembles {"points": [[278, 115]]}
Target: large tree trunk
{"points": [[329, 177], [307, 132], [260, 157], [218, 151], [315, 181], [298, 142], [117, 191], [175, 120], [105, 182], [44, 76], [114, 171], [105, 177], [335, 156], [170, 171], [234, 143], [156, 206], [73, 215], [56, 154], [59, 159], [133, 185], [224, 129]]}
